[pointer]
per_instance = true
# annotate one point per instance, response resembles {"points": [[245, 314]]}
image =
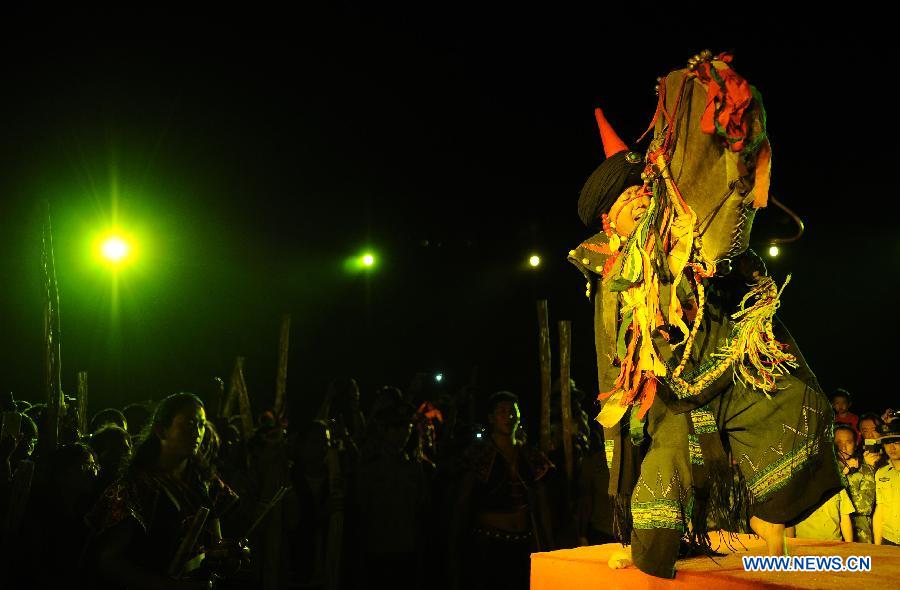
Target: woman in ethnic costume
{"points": [[501, 514], [142, 518], [710, 411]]}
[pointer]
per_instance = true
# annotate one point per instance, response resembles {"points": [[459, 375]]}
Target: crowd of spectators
{"points": [[390, 489], [867, 509]]}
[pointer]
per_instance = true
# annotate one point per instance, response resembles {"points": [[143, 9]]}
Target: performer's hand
{"points": [[226, 557], [750, 266], [871, 457], [853, 463]]}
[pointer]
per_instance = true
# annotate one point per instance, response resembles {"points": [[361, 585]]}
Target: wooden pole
{"points": [[544, 350], [220, 396], [188, 542], [244, 402], [281, 376], [565, 357], [52, 371], [83, 402], [233, 388]]}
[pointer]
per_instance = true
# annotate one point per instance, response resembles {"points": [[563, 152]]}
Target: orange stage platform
{"points": [[586, 568]]}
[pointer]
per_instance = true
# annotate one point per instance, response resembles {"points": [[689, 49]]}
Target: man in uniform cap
{"points": [[886, 520]]}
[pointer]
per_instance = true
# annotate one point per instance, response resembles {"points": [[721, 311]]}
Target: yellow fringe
{"points": [[757, 356]]}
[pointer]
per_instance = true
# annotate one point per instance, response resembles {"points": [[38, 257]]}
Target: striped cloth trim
{"points": [[661, 514], [777, 474], [704, 421]]}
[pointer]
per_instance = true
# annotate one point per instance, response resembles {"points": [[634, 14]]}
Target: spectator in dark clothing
{"points": [[108, 416], [113, 448], [28, 439], [54, 529], [841, 403], [342, 405], [501, 513], [139, 521], [869, 441], [391, 498], [136, 417], [322, 471]]}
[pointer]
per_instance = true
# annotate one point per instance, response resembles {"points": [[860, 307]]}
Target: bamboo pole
{"points": [[544, 350], [188, 542], [52, 371], [281, 376], [220, 396], [83, 402], [233, 389], [244, 402], [565, 357]]}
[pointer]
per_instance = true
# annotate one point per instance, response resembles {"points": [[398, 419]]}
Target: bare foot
{"points": [[621, 559], [772, 534]]}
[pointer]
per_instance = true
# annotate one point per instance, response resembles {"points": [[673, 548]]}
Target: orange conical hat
{"points": [[612, 145]]}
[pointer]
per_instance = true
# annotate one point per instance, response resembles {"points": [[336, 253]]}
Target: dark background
{"points": [[254, 155]]}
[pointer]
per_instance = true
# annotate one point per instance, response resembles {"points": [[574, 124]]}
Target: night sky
{"points": [[253, 158]]}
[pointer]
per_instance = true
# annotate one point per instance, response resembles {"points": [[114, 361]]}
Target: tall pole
{"points": [[83, 402], [544, 350], [52, 371], [231, 399], [244, 400], [281, 377], [220, 396], [565, 358]]}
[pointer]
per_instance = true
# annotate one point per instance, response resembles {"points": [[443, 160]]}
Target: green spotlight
{"points": [[114, 249], [534, 261], [774, 251], [364, 261]]}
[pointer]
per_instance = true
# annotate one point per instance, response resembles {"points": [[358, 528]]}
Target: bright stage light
{"points": [[534, 261], [114, 249], [774, 251], [368, 260], [439, 377]]}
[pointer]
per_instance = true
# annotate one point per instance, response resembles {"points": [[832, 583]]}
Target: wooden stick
{"points": [[244, 402], [183, 553], [231, 398], [52, 372], [266, 510], [220, 396], [82, 402], [281, 376], [544, 350], [565, 357]]}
